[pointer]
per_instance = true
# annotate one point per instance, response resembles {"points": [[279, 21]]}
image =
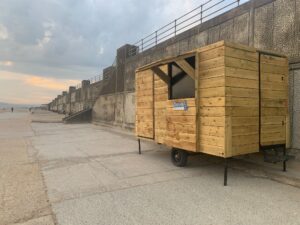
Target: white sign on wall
{"points": [[180, 105]]}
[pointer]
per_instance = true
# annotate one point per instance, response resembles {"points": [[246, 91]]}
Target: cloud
{"points": [[49, 45], [78, 33], [40, 82], [48, 83], [101, 51], [48, 34], [3, 32], [30, 89], [6, 63]]}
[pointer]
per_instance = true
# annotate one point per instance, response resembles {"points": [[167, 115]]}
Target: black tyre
{"points": [[179, 157]]}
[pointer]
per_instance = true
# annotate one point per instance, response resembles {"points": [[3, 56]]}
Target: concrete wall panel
{"points": [[297, 90], [78, 106], [129, 108], [131, 66], [226, 31], [297, 27], [184, 45], [104, 109], [214, 34], [263, 27], [296, 110], [284, 27], [291, 100], [241, 29], [119, 109], [108, 85], [296, 133], [73, 97], [201, 39], [67, 109], [172, 49]]}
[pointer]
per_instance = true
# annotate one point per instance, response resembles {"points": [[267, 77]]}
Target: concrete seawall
{"points": [[265, 24]]}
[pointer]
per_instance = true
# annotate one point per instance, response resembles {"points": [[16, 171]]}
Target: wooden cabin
{"points": [[223, 99]]}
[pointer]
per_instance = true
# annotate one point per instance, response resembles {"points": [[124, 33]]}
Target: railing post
{"points": [[238, 2], [155, 37], [175, 21], [201, 13], [142, 45]]}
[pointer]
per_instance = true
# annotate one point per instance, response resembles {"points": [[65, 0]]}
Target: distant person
{"points": [[12, 109]]}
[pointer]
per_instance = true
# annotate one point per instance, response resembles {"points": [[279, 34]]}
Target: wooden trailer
{"points": [[223, 99]]}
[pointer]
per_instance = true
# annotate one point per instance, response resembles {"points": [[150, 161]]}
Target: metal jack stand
{"points": [[225, 171], [139, 142], [275, 154], [284, 160]]}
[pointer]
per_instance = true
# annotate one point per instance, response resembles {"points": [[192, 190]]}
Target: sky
{"points": [[48, 45]]}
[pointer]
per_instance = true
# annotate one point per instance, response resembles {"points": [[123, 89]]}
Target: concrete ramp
{"points": [[79, 117]]}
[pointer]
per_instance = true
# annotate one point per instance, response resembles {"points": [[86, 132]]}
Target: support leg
{"points": [[284, 160], [225, 171], [139, 142]]}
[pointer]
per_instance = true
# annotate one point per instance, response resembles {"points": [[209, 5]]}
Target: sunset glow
{"points": [[31, 89]]}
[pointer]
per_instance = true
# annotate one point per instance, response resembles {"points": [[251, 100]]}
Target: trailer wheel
{"points": [[179, 157]]}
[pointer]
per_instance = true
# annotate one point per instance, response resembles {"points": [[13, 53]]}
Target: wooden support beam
{"points": [[162, 75], [178, 78], [186, 67]]}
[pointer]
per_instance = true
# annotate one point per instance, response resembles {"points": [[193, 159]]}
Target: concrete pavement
{"points": [[23, 199], [93, 175]]}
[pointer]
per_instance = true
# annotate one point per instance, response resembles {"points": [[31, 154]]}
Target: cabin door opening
{"points": [[273, 84]]}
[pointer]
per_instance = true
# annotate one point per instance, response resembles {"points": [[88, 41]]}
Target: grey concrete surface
{"points": [[45, 220], [296, 109], [23, 199], [94, 176], [43, 116]]}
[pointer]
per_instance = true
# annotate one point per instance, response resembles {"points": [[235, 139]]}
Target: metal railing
{"points": [[202, 13], [96, 79], [78, 86], [92, 80]]}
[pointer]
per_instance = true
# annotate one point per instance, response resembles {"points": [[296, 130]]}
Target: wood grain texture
{"points": [[274, 100], [223, 119], [181, 125], [211, 100], [160, 98], [144, 82], [242, 101]]}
